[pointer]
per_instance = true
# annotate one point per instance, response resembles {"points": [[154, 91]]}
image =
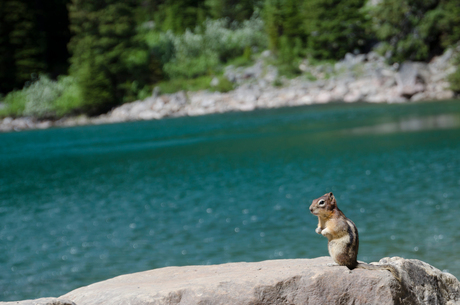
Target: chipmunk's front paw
{"points": [[318, 230], [325, 232]]}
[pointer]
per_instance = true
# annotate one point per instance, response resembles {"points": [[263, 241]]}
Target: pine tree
{"points": [[408, 28], [335, 27], [7, 67], [178, 15], [284, 18], [231, 9], [33, 40], [22, 45], [106, 57], [53, 21]]}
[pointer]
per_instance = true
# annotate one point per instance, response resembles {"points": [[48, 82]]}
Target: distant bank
{"points": [[362, 77]]}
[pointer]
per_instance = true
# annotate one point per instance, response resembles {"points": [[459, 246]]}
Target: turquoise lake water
{"points": [[84, 204]]}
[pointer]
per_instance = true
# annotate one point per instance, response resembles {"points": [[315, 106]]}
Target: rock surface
{"points": [[43, 301], [290, 281], [362, 77]]}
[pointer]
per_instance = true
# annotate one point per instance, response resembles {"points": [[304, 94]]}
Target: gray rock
{"points": [[179, 98], [412, 77], [265, 54], [290, 281], [7, 120], [445, 95], [389, 82], [438, 76], [340, 91], [424, 284], [351, 60], [271, 74], [373, 56], [419, 97], [347, 64], [214, 82], [230, 73], [303, 67], [254, 71], [43, 301], [156, 91], [442, 62]]}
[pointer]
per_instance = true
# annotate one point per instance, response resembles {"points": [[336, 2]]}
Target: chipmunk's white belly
{"points": [[338, 246]]}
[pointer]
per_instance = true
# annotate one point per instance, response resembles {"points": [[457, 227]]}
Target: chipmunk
{"points": [[342, 235]]}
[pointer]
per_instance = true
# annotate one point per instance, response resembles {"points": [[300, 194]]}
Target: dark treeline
{"points": [[105, 52], [33, 39]]}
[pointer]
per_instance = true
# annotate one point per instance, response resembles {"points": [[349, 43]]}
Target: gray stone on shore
{"points": [[412, 77], [290, 281]]}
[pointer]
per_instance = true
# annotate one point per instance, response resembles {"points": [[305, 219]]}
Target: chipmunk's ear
{"points": [[332, 201]]}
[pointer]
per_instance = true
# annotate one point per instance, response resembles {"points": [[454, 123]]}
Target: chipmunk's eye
{"points": [[321, 202]]}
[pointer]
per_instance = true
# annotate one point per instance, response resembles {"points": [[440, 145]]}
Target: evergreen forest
{"points": [[68, 57]]}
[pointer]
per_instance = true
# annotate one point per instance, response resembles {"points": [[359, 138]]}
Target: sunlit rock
{"points": [[43, 301], [290, 281]]}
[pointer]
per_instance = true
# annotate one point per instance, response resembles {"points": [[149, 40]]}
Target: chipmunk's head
{"points": [[323, 205]]}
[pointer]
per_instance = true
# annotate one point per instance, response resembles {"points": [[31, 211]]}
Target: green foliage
{"points": [[233, 10], [330, 28], [284, 18], [224, 85], [40, 97], [179, 15], [399, 24], [96, 88], [454, 78], [133, 91], [446, 17], [416, 30], [277, 82], [202, 51], [289, 56], [335, 27], [183, 66], [70, 100], [15, 102], [194, 84], [243, 60], [290, 49], [44, 98], [107, 56]]}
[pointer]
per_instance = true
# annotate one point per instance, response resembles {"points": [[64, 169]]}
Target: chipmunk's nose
{"points": [[311, 209]]}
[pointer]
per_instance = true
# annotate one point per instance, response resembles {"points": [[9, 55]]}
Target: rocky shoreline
{"points": [[362, 77]]}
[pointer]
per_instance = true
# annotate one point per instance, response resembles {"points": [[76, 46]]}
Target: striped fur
{"points": [[341, 232], [342, 235]]}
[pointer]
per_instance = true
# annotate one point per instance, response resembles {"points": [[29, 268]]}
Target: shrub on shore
{"points": [[44, 98], [204, 50]]}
